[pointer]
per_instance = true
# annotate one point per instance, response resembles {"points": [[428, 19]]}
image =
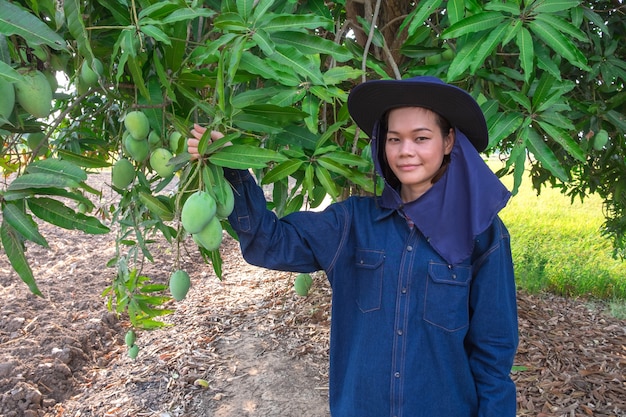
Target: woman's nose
{"points": [[407, 147]]}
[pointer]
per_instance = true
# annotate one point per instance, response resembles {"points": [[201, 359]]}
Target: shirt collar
{"points": [[458, 207]]}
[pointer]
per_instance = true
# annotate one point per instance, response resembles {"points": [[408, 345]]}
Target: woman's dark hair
{"points": [[392, 180]]}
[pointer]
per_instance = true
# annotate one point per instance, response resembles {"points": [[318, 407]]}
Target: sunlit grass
{"points": [[558, 247]]}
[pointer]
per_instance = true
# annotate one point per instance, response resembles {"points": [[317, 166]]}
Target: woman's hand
{"points": [[194, 140]]}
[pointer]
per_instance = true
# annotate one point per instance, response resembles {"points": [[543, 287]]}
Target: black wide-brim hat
{"points": [[369, 101]]}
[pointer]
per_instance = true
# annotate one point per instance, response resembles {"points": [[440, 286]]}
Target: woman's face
{"points": [[415, 148]]}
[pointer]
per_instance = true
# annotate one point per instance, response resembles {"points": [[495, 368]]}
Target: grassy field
{"points": [[557, 245]]}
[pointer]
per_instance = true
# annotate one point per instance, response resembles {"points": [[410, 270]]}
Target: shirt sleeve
{"points": [[299, 242], [493, 335]]}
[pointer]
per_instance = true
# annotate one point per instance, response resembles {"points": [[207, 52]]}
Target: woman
{"points": [[424, 319]]}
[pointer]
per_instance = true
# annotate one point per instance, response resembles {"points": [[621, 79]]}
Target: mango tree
{"points": [[273, 76]]}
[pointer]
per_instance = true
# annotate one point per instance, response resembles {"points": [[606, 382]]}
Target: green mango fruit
{"points": [[179, 284], [7, 92], [122, 173], [154, 139], [226, 205], [33, 93], [89, 75], [210, 237], [601, 139], [175, 142], [197, 211], [34, 141], [302, 284], [130, 338], [159, 159], [133, 351], [137, 124], [137, 149]]}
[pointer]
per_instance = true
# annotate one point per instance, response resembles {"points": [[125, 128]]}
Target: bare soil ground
{"points": [[246, 345]]}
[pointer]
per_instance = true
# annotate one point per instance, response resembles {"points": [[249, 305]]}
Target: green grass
{"points": [[558, 247]]}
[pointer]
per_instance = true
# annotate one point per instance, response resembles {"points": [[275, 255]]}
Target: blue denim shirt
{"points": [[411, 335]]}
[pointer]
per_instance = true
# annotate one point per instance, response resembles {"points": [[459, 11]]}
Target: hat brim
{"points": [[369, 101]]}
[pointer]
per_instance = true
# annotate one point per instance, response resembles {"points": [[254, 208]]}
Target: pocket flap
{"points": [[447, 274], [369, 258]]}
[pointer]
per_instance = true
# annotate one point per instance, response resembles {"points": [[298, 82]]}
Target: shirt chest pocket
{"points": [[369, 279], [446, 304]]}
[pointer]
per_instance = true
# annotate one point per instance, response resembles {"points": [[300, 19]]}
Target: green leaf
{"points": [[298, 136], [8, 73], [245, 156], [292, 58], [261, 8], [255, 123], [553, 6], [340, 74], [544, 89], [244, 7], [324, 177], [346, 158], [23, 224], [261, 67], [521, 99], [186, 13], [57, 167], [58, 214], [282, 170], [279, 115], [16, 21], [256, 96], [282, 22], [506, 6], [556, 98], [502, 126], [545, 61], [76, 26], [155, 33], [334, 166], [559, 43], [329, 94], [474, 23], [81, 160], [513, 29], [544, 154], [564, 139], [263, 41], [526, 52], [158, 10], [597, 20], [312, 44], [465, 55], [230, 22], [39, 180], [420, 14], [455, 10], [488, 46], [562, 26], [14, 250], [134, 66], [518, 158]]}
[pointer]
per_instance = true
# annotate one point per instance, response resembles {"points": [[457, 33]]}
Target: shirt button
{"points": [[403, 290], [409, 248], [397, 374], [399, 332]]}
